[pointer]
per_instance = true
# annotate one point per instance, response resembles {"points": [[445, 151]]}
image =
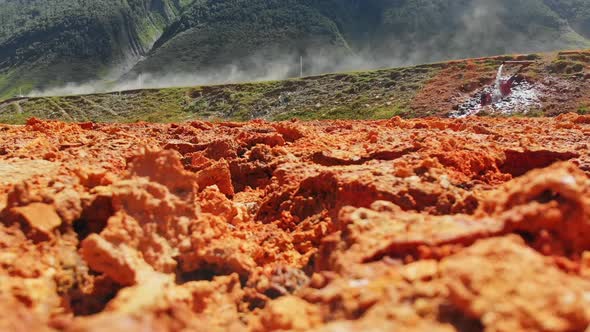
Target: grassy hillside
{"points": [[216, 33], [47, 43], [576, 12], [562, 80], [374, 94], [377, 33], [451, 29]]}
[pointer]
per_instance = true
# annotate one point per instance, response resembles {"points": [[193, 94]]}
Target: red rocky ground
{"points": [[428, 225]]}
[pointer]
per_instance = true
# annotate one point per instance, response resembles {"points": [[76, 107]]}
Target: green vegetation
{"points": [[584, 110], [377, 94], [572, 62], [567, 67], [217, 33], [424, 90], [48, 43], [164, 105], [577, 12], [212, 33]]}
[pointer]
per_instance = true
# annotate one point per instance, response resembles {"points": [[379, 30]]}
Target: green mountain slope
{"points": [[576, 12], [450, 29], [47, 43], [215, 33], [379, 32]]}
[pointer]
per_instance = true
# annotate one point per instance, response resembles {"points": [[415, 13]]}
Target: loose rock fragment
{"points": [[41, 219]]}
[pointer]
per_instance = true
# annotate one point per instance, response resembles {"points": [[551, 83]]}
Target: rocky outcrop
{"points": [[316, 226]]}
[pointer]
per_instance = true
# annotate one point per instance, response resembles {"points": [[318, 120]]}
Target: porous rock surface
{"points": [[401, 225]]}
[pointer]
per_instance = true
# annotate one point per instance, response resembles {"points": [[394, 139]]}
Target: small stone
{"points": [[41, 218]]}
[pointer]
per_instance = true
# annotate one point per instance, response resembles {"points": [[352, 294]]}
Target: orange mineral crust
{"points": [[475, 224]]}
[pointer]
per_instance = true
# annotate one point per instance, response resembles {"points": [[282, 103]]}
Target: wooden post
{"points": [[301, 66]]}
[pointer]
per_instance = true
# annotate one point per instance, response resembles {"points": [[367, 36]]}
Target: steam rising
{"points": [[480, 32], [259, 69]]}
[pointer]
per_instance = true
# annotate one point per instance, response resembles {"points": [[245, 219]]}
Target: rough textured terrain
{"points": [[478, 224]]}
